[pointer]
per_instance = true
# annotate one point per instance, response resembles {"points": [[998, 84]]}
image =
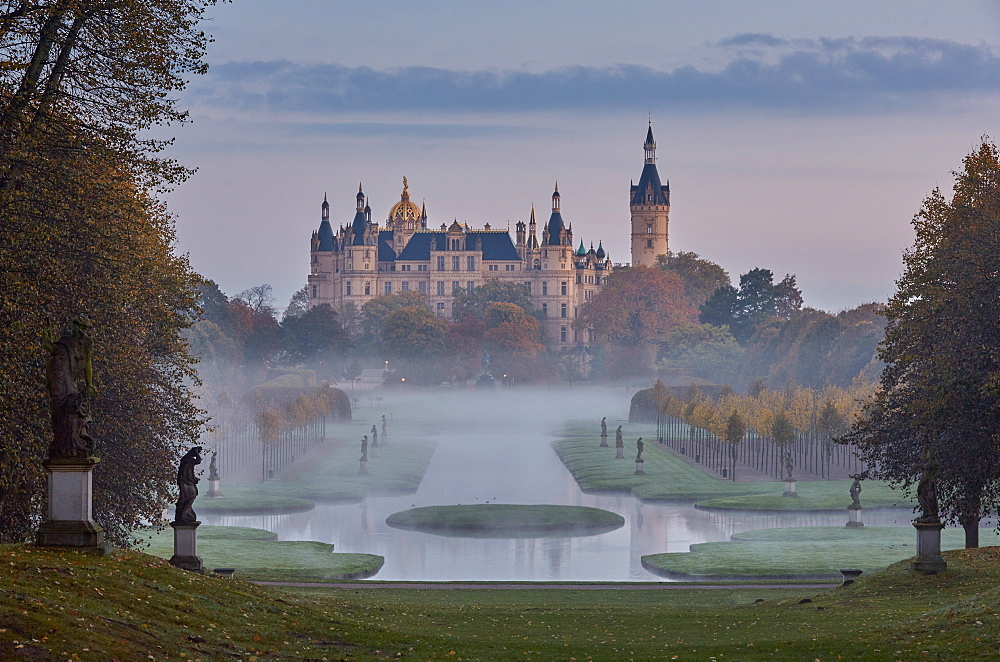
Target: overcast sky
{"points": [[797, 136]]}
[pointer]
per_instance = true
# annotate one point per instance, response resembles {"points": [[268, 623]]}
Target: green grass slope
{"points": [[62, 605]]}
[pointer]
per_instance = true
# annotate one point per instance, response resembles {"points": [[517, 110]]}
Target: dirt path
{"points": [[614, 586]]}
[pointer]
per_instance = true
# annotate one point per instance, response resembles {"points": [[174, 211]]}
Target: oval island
{"points": [[498, 520]]}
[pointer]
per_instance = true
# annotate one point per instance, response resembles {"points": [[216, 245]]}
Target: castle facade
{"points": [[364, 259]]}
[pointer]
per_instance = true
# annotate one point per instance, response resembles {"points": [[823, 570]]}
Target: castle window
{"points": [[348, 292], [366, 267], [406, 286], [440, 309], [440, 262], [471, 263], [440, 287], [455, 287], [494, 267], [649, 228], [538, 265], [564, 288], [422, 286], [388, 288], [527, 286], [545, 310], [588, 295], [456, 244], [421, 267], [368, 288], [314, 291], [649, 243], [470, 285], [368, 255], [455, 264], [562, 334], [510, 267], [576, 335], [579, 279], [562, 311], [545, 288]]}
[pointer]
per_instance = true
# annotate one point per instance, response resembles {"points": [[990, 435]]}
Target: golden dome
{"points": [[404, 210]]}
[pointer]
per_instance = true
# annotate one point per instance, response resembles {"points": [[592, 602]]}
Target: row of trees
{"points": [[772, 430], [81, 232]]}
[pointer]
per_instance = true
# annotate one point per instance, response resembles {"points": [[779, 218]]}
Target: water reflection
{"points": [[486, 455]]}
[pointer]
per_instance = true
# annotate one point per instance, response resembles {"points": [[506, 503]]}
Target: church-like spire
{"points": [[361, 199], [326, 208], [650, 144], [555, 199]]}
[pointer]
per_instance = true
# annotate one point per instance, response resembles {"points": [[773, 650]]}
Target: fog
{"points": [[494, 446]]}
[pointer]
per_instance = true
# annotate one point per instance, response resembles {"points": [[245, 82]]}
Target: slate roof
{"points": [[358, 228], [650, 178], [494, 245], [555, 227], [385, 252], [327, 242]]}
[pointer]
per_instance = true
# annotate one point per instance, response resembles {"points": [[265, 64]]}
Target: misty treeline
{"points": [[81, 232], [772, 430]]}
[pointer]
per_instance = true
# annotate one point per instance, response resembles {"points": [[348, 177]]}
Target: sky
{"points": [[800, 137]]}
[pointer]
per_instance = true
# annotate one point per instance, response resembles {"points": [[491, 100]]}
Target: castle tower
{"points": [[649, 204]]}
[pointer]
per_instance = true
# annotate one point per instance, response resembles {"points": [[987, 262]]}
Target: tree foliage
{"points": [[939, 390], [758, 298], [474, 304], [701, 277], [637, 306]]}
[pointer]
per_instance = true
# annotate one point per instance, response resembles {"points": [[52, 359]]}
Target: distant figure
{"points": [[619, 442], [486, 362], [187, 487], [374, 437], [927, 491], [856, 491], [639, 445], [364, 448], [383, 426], [69, 363], [213, 468], [604, 426]]}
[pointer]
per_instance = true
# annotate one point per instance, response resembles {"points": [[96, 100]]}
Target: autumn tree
{"points": [[475, 303], [375, 311], [315, 337], [939, 390], [701, 277]]}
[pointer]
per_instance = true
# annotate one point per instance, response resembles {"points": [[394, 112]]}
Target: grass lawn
{"points": [[54, 605], [670, 478], [799, 553], [329, 473], [256, 555], [507, 521]]}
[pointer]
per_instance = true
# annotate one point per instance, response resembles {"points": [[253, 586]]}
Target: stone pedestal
{"points": [[790, 489], [604, 440], [363, 467], [69, 519], [850, 575], [928, 558], [213, 489], [638, 467], [186, 547], [854, 517], [619, 454]]}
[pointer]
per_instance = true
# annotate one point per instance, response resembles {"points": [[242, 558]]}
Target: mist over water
{"points": [[494, 447]]}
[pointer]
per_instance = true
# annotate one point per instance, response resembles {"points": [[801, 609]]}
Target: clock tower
{"points": [[649, 203]]}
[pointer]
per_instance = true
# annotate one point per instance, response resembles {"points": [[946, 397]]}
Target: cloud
{"points": [[758, 72]]}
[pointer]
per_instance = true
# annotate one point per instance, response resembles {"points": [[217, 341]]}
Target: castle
{"points": [[364, 259]]}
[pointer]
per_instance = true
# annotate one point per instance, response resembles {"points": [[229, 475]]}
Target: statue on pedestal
{"points": [[639, 445], [927, 491], [213, 468], [69, 363], [604, 426], [364, 448], [374, 437], [187, 486], [619, 442], [855, 491], [787, 463], [383, 426]]}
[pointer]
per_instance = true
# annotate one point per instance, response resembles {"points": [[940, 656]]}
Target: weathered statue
{"points": [[619, 442], [213, 468], [364, 448], [383, 426], [69, 363], [856, 491], [604, 426], [187, 487], [374, 437], [486, 361], [639, 445], [786, 460], [927, 491]]}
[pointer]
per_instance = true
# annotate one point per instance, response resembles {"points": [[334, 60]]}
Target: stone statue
{"points": [[364, 448], [213, 468], [604, 426], [639, 445], [374, 437], [927, 491], [383, 426], [486, 361], [187, 486], [856, 491], [69, 363], [786, 461], [619, 442]]}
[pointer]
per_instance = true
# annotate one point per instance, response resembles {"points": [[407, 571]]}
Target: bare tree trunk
{"points": [[971, 526]]}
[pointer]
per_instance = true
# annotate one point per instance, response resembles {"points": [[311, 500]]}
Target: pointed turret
{"points": [[423, 214], [582, 250], [600, 251], [555, 227], [532, 237], [361, 217], [325, 238]]}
